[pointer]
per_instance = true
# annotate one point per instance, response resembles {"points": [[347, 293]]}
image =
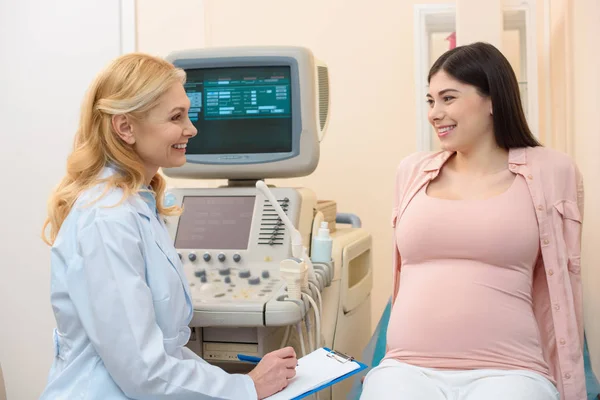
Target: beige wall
{"points": [[560, 133], [164, 27], [585, 21], [478, 20]]}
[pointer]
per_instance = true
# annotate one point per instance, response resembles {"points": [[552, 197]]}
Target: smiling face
{"points": [[460, 115], [160, 137]]}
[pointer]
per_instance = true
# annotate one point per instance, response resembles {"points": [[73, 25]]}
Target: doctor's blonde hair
{"points": [[131, 85]]}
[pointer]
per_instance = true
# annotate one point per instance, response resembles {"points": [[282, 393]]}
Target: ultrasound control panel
{"points": [[230, 242]]}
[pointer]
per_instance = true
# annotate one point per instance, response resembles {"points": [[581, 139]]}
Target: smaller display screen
{"points": [[215, 223], [241, 110]]}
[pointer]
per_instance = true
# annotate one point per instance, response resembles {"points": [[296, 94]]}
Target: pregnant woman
{"points": [[487, 285]]}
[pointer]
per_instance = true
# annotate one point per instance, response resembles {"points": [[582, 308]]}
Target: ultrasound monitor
{"points": [[260, 112], [241, 111]]}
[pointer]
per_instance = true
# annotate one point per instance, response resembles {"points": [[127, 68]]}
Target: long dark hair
{"points": [[485, 67]]}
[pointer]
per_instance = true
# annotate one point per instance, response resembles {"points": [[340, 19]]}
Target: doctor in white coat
{"points": [[120, 297]]}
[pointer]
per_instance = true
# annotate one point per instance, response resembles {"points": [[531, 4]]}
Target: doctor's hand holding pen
{"points": [[273, 371]]}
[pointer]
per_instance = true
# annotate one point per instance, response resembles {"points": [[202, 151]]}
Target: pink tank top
{"points": [[465, 297]]}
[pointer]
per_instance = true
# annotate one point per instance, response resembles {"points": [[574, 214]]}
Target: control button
{"points": [[192, 257], [203, 279], [221, 257], [237, 257], [245, 273], [255, 280], [206, 257], [224, 271], [265, 274], [208, 288], [199, 273], [220, 295], [266, 290], [227, 279]]}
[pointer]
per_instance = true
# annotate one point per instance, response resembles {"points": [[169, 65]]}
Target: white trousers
{"points": [[400, 381]]}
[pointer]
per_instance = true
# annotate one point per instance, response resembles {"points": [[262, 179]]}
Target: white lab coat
{"points": [[122, 306]]}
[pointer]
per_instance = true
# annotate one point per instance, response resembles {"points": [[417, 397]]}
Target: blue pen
{"points": [[251, 359]]}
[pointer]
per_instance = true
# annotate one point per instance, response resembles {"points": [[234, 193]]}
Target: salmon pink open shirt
{"points": [[556, 188]]}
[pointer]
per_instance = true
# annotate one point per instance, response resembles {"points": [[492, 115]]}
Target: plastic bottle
{"points": [[322, 245]]}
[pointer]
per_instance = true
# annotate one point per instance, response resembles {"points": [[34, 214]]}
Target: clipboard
{"points": [[323, 358]]}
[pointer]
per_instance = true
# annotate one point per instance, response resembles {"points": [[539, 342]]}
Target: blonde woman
{"points": [[120, 298]]}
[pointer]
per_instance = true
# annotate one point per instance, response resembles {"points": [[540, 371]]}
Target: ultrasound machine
{"points": [[261, 113]]}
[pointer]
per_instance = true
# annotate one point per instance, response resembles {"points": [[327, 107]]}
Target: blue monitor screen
{"points": [[242, 110]]}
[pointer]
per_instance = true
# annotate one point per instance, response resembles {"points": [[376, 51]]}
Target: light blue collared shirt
{"points": [[122, 306]]}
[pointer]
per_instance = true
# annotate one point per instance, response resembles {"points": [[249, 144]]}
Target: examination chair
{"points": [[375, 351]]}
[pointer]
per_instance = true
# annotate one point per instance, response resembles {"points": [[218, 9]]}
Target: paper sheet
{"points": [[314, 370]]}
